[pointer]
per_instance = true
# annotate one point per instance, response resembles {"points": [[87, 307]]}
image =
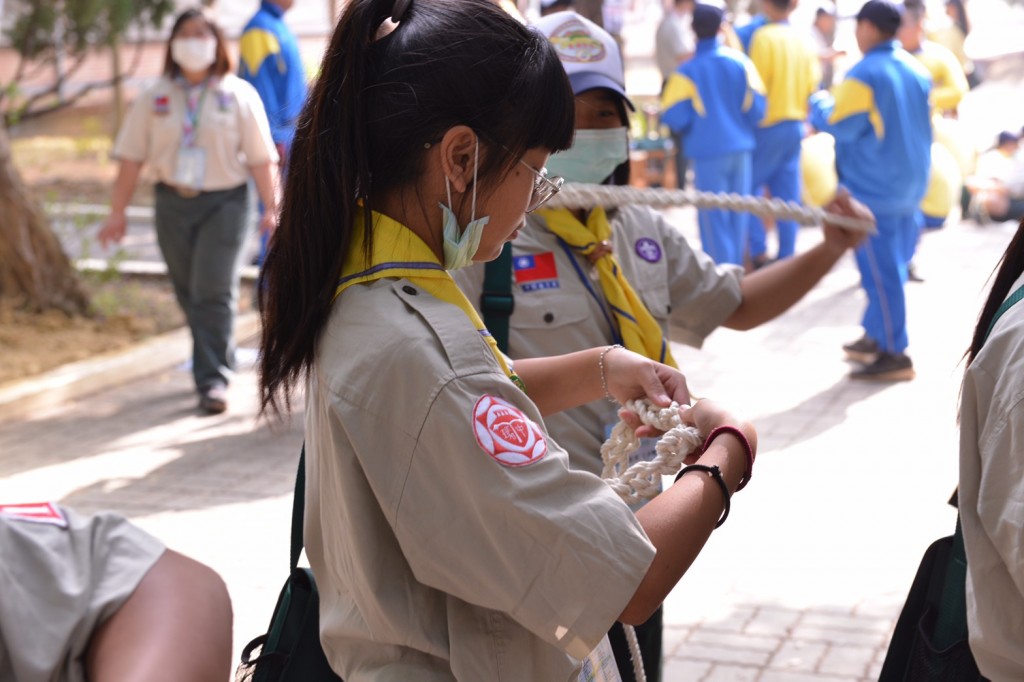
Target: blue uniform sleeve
{"points": [[849, 114], [260, 53], [680, 103]]}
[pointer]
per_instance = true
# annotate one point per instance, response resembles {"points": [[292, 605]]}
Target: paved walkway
{"points": [[803, 582]]}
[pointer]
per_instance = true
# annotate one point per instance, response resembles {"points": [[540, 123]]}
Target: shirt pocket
{"points": [[550, 309], [650, 281]]}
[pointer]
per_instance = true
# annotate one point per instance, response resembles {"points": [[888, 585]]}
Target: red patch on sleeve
{"points": [[35, 512], [506, 433]]}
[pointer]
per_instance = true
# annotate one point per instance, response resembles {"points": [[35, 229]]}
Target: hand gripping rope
{"points": [[573, 195], [642, 480]]}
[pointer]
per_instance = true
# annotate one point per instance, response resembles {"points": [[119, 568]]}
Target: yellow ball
{"points": [[818, 169], [943, 184]]}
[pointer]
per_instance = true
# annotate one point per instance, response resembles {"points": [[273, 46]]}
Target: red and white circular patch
{"points": [[506, 434]]}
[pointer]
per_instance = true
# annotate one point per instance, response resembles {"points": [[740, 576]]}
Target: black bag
{"points": [[290, 651], [930, 640]]}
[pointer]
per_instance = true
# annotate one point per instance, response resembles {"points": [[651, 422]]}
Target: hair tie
{"points": [[399, 10]]}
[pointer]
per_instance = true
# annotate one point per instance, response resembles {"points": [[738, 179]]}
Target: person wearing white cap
{"points": [[579, 279]]}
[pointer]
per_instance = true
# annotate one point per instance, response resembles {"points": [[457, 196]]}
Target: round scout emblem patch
{"points": [[506, 434], [648, 249]]}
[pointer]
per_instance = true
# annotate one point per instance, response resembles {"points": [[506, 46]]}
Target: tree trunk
{"points": [[35, 273]]}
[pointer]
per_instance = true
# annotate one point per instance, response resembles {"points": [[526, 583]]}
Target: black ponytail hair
{"points": [[1009, 270], [381, 98]]}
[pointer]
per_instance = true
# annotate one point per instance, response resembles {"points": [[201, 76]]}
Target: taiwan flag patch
{"points": [[536, 271]]}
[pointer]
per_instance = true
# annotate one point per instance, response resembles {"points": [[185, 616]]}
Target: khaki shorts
{"points": [[58, 584]]}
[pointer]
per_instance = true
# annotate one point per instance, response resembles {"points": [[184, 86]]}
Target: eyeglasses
{"points": [[543, 187]]}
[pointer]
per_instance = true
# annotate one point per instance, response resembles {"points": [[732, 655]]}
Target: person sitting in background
{"points": [[94, 597], [997, 186]]}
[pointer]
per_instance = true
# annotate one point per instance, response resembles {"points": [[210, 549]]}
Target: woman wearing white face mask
{"points": [[579, 279], [203, 132]]}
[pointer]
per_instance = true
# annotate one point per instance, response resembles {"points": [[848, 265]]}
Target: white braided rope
{"points": [[643, 479], [575, 195]]}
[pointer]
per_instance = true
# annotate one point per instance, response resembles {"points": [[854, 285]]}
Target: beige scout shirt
{"points": [[991, 498], [233, 130], [434, 561], [685, 291], [61, 576]]}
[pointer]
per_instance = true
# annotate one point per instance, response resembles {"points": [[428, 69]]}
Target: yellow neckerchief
{"points": [[399, 252], [639, 330]]}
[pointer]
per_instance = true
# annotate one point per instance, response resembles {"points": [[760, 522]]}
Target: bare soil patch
{"points": [[125, 310]]}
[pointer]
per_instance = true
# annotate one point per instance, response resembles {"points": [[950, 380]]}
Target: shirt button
{"points": [[549, 318], [410, 290]]}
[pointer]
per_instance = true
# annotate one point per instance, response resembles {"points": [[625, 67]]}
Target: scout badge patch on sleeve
{"points": [[648, 249], [35, 512], [506, 434]]}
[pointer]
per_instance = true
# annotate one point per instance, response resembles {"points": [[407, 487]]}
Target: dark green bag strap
{"points": [[951, 625], [496, 301], [298, 509]]}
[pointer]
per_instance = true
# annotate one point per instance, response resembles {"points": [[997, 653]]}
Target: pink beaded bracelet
{"points": [[749, 451]]}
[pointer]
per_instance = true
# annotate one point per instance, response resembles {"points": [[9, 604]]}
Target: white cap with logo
{"points": [[589, 54]]}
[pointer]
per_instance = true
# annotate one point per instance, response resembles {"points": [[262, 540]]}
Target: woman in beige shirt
{"points": [[203, 131]]}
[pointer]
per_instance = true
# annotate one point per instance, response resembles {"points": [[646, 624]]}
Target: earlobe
{"points": [[458, 150]]}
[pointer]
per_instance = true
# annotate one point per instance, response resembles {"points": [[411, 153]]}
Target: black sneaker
{"points": [[886, 367], [865, 349], [213, 399], [912, 275]]}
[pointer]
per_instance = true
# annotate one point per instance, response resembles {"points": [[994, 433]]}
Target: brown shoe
{"points": [[865, 349], [886, 367], [213, 399]]}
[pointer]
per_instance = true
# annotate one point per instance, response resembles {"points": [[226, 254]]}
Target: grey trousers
{"points": [[202, 239]]}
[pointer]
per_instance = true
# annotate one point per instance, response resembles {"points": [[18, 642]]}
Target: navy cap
{"points": [[1005, 137], [884, 15], [706, 19]]}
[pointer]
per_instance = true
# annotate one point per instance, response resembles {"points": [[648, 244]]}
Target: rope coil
{"points": [[577, 196], [642, 480]]}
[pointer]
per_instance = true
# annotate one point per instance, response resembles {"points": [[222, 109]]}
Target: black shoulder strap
{"points": [[298, 509], [496, 301]]}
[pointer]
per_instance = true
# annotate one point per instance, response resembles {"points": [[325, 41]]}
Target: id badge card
{"points": [[645, 453], [191, 168], [600, 666]]}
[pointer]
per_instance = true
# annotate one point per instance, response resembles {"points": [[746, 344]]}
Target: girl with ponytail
{"points": [[449, 537]]}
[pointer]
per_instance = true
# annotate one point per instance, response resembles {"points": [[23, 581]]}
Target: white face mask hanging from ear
{"points": [[460, 245]]}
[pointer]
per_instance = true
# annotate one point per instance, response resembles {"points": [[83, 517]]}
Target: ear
{"points": [[458, 153]]}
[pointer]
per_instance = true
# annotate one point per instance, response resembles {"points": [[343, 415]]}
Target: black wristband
{"points": [[716, 474]]}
